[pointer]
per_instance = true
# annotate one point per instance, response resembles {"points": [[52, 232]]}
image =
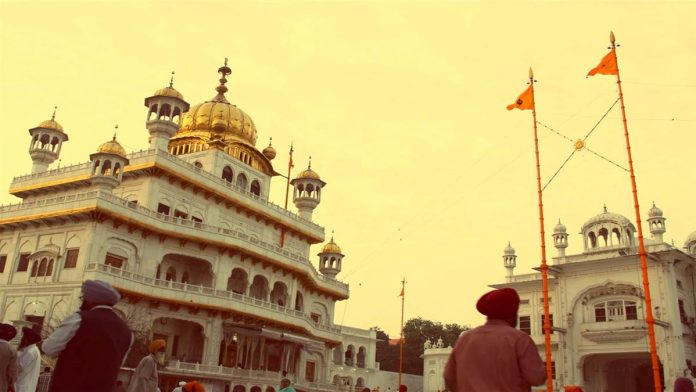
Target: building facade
{"points": [[597, 307], [185, 232]]}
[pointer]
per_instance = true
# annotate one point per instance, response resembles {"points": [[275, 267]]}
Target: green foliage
{"points": [[416, 332]]}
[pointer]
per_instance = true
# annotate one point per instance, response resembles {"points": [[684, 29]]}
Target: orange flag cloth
{"points": [[607, 66], [525, 101]]}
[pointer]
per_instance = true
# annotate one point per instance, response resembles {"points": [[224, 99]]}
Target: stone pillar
{"points": [[213, 338]]}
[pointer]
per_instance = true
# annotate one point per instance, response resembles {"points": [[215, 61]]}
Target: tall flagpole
{"points": [[287, 192], [544, 266], [401, 341], [641, 245]]}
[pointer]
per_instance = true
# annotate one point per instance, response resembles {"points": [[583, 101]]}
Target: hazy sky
{"points": [[401, 106]]}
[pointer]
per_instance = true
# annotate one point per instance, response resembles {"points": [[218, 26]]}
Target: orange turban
{"points": [[193, 386], [499, 304], [157, 345]]}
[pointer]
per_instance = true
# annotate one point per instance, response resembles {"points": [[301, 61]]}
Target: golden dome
{"points": [[112, 147], [51, 124], [221, 118], [269, 152], [309, 173], [168, 92], [331, 247]]}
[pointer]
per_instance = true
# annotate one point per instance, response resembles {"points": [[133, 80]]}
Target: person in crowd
{"points": [[145, 376], [286, 385], [193, 386], [8, 358], [44, 380], [91, 344], [29, 361], [683, 384], [495, 356], [179, 388]]}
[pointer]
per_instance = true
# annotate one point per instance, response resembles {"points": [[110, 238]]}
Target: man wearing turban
{"points": [[91, 345], [495, 356], [8, 358], [145, 376], [29, 360]]}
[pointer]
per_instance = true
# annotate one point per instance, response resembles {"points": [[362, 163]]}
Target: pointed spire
{"points": [[612, 39], [309, 166], [53, 117], [270, 142], [332, 235], [531, 73], [224, 71], [115, 131], [605, 207], [171, 81]]}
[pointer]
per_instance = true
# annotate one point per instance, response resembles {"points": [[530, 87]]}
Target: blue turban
{"points": [[99, 292]]}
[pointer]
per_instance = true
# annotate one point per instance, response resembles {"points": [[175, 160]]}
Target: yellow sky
{"points": [[401, 106]]}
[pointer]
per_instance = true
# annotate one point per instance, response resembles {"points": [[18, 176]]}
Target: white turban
{"points": [[99, 292]]}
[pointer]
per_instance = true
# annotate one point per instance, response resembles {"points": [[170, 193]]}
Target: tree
{"points": [[416, 332], [386, 355]]}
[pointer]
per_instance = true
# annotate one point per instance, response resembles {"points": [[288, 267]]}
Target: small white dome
{"points": [[654, 212], [509, 250], [559, 228]]}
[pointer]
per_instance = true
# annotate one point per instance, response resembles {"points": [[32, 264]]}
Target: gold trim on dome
{"points": [[331, 247], [112, 147], [309, 173], [51, 124], [168, 92], [222, 118]]}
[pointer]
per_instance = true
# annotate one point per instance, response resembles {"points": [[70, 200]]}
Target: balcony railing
{"points": [[244, 375], [142, 156], [96, 196], [176, 290]]}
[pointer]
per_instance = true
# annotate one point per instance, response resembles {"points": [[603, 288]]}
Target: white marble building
{"points": [[185, 231], [600, 339]]}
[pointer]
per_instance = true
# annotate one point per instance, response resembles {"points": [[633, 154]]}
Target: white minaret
{"points": [[560, 238], [509, 261], [307, 193], [164, 112], [46, 141], [107, 165], [330, 259], [657, 223]]}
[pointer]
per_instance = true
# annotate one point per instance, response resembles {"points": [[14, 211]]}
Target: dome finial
{"points": [[115, 131], [332, 235], [53, 117], [224, 71], [171, 81], [270, 142], [309, 166], [605, 207]]}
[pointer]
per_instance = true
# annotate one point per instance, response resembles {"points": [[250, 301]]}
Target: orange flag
{"points": [[402, 293], [607, 66], [525, 101]]}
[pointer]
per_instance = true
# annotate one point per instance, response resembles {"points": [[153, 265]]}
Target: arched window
{"points": [[237, 281], [242, 181], [35, 268], [117, 169], [49, 270], [259, 289], [227, 174], [171, 274], [255, 188], [299, 302], [615, 310], [616, 236], [106, 168], [604, 235], [593, 239], [185, 277], [42, 267]]}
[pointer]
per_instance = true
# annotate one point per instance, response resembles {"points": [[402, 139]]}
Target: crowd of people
{"points": [[90, 347]]}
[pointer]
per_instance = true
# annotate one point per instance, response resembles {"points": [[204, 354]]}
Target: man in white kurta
{"points": [[145, 377], [29, 360]]}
